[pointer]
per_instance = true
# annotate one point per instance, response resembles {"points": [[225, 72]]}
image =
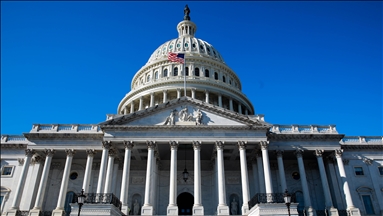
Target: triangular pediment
{"points": [[185, 111]]}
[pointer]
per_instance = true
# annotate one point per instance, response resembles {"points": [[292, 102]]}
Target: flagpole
{"points": [[184, 76]]}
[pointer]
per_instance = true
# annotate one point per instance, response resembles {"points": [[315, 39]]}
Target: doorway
{"points": [[185, 203]]}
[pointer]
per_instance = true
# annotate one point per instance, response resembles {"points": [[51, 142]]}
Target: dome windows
{"points": [[187, 71], [186, 45], [223, 79], [178, 45], [175, 72], [156, 75], [216, 76], [201, 47], [193, 45], [171, 47], [196, 72], [148, 78], [208, 49], [165, 72], [207, 73]]}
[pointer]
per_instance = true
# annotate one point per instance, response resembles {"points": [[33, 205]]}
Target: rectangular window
{"points": [[358, 171], [368, 204], [380, 170], [7, 170]]}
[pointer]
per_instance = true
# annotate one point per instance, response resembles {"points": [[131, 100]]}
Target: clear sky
{"points": [[299, 62]]}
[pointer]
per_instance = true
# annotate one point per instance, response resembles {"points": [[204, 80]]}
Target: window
{"points": [[165, 72], [148, 78], [207, 73], [380, 170], [73, 176], [196, 72], [358, 171], [224, 79], [156, 75], [175, 72], [216, 75], [368, 204], [296, 175], [187, 71], [7, 170]]}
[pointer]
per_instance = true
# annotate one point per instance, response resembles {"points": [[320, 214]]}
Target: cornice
{"points": [[13, 146], [63, 136], [181, 127], [327, 137]]}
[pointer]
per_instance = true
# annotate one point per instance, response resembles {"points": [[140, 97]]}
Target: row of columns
{"points": [[147, 208], [193, 95]]}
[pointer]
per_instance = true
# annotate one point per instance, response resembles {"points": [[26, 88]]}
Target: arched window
{"points": [[196, 72], [175, 72], [156, 75], [216, 75], [224, 79], [187, 71], [165, 72], [148, 78], [207, 73]]}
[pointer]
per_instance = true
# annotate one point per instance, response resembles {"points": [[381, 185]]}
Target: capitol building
{"points": [[185, 140]]}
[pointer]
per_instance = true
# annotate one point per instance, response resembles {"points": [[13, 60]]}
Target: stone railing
{"points": [[267, 198], [100, 198], [13, 139], [362, 140], [303, 129], [64, 128]]}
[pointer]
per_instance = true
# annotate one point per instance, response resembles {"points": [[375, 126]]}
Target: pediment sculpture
{"points": [[184, 117]]}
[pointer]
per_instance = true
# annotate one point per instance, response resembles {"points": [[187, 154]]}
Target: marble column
{"points": [[305, 188], [239, 108], [125, 177], [178, 92], [109, 171], [220, 100], [141, 104], [281, 170], [125, 110], [207, 96], [244, 178], [64, 183], [172, 207], [88, 169], [326, 190], [374, 175], [261, 174], [20, 186], [246, 112], [106, 145], [132, 107], [152, 99], [193, 93], [43, 182], [352, 210], [255, 175], [198, 209], [266, 169], [222, 208], [165, 96], [231, 104], [147, 208]]}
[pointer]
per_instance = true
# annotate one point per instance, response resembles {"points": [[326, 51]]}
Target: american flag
{"points": [[176, 57]]}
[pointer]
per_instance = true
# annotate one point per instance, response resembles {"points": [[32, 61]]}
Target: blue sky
{"points": [[299, 62]]}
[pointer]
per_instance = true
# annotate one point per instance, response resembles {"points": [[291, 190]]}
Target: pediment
{"points": [[185, 111]]}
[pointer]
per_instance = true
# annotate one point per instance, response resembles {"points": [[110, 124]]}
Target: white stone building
{"points": [[203, 153]]}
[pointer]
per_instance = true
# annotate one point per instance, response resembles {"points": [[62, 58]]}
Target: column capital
{"points": [[367, 161], [219, 145], [279, 153], [151, 145], [258, 153], [70, 152], [242, 145], [318, 152], [91, 152], [36, 159], [151, 93], [338, 152], [178, 89], [106, 144], [264, 145], [196, 145], [193, 89], [112, 153], [128, 144], [298, 153], [49, 152], [206, 91], [173, 145], [21, 161], [29, 152], [165, 91]]}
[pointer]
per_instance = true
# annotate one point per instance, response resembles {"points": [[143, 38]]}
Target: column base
{"points": [[223, 210], [172, 210], [333, 212], [58, 212], [245, 209], [273, 209], [198, 210], [11, 212], [34, 212], [310, 211], [147, 210], [354, 211], [125, 209]]}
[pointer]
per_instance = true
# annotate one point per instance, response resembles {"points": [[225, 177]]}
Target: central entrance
{"points": [[185, 203]]}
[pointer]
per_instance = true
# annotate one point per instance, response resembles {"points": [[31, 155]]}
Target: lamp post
{"points": [[287, 198], [80, 201]]}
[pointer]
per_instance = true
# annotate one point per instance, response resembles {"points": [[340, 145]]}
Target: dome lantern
{"points": [[186, 27]]}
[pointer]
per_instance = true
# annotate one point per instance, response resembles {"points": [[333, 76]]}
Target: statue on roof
{"points": [[186, 12]]}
